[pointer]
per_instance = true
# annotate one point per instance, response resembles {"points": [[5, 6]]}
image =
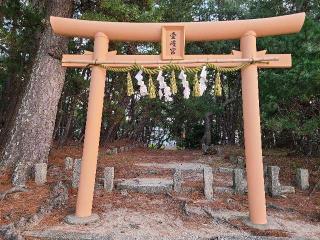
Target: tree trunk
{"points": [[206, 139], [30, 135], [69, 119]]}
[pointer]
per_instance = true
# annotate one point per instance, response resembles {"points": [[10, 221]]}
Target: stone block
{"points": [[177, 180], [219, 150], [108, 151], [121, 149], [266, 180], [232, 158], [76, 173], [108, 178], [274, 186], [228, 190], [68, 163], [225, 170], [302, 179], [240, 161], [114, 150], [239, 181], [40, 174], [211, 149], [287, 189], [205, 148], [208, 183]]}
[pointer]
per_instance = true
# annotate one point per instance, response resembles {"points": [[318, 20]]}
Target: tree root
{"points": [[12, 190]]}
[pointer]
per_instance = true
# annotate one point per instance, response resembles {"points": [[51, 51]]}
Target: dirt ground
{"points": [[171, 216]]}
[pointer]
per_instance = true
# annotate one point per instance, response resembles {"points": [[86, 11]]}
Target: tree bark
{"points": [[30, 135], [69, 120], [206, 139]]}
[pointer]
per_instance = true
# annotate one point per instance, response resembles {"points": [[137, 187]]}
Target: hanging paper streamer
{"points": [[143, 87], [130, 90], [217, 85], [164, 89], [173, 83], [203, 80], [152, 89], [167, 94], [196, 86], [185, 84], [160, 93], [161, 81]]}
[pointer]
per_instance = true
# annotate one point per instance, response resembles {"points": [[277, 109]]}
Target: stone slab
{"points": [[176, 165], [287, 189], [225, 170], [302, 179], [108, 178], [208, 183], [68, 163], [274, 186], [146, 185], [223, 190], [40, 174], [76, 173], [114, 150], [177, 180], [239, 181]]}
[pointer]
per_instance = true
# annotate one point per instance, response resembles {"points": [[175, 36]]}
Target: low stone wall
{"points": [[272, 183], [116, 150]]}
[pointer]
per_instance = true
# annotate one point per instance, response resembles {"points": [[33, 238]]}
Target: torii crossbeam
{"points": [[172, 37]]}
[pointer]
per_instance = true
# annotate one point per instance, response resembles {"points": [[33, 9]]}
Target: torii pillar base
{"points": [[74, 220], [271, 225]]}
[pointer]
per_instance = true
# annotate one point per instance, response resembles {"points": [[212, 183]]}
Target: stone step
{"points": [[183, 166], [145, 185]]}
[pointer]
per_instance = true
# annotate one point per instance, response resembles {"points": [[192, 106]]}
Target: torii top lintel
{"points": [[194, 31]]}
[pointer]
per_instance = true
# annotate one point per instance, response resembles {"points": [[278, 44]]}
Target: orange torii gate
{"points": [[173, 52]]}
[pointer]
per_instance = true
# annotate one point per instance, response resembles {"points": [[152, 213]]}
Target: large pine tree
{"points": [[29, 135]]}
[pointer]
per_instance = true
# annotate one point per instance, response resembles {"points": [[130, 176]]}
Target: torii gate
{"points": [[245, 30]]}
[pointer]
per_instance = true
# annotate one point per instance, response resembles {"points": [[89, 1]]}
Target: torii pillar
{"points": [[92, 136], [252, 132]]}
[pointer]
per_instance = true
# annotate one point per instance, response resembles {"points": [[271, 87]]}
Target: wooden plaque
{"points": [[172, 42]]}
